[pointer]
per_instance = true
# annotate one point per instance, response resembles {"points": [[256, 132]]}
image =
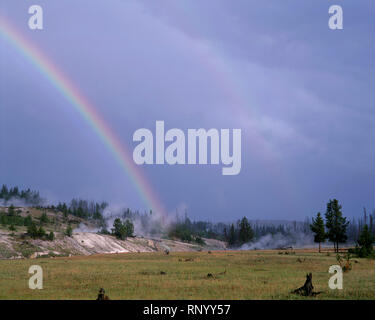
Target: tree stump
{"points": [[307, 289], [101, 295]]}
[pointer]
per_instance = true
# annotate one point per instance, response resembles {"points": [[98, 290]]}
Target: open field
{"points": [[249, 275]]}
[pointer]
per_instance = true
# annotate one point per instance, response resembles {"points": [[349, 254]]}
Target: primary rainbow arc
{"points": [[86, 110]]}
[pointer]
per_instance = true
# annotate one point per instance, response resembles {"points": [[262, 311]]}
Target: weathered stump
{"points": [[307, 289], [102, 295]]}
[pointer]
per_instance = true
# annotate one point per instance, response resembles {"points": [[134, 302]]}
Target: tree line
{"points": [[335, 228], [27, 196], [82, 208]]}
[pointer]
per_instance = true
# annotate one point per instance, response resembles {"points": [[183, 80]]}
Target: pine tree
{"points": [[232, 235], [225, 234], [44, 218], [317, 227], [246, 233], [120, 229], [41, 232], [129, 228], [69, 231], [11, 211], [32, 230], [365, 242], [51, 236], [4, 192], [28, 221], [336, 224]]}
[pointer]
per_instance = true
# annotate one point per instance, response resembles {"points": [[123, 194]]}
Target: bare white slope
{"points": [[85, 243]]}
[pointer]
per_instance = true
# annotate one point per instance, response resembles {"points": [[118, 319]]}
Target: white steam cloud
{"points": [[278, 240]]}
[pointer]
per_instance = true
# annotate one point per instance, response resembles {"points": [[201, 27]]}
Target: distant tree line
{"points": [[27, 196], [333, 227], [240, 233], [83, 209]]}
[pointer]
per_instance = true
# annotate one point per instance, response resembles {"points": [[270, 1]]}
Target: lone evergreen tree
{"points": [[232, 235], [365, 242], [51, 236], [44, 218], [32, 230], [69, 231], [11, 211], [129, 228], [317, 227], [246, 233], [336, 224]]}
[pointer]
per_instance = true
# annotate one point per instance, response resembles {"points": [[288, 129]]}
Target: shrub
{"points": [[199, 240], [51, 236], [41, 232], [69, 231], [28, 221], [122, 229], [32, 230], [44, 218], [104, 231]]}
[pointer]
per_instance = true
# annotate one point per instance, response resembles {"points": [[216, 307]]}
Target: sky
{"points": [[301, 93]]}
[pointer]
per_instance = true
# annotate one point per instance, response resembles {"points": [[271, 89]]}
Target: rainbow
{"points": [[226, 77], [87, 111]]}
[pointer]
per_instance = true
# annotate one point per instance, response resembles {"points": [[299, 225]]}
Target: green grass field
{"points": [[249, 275]]}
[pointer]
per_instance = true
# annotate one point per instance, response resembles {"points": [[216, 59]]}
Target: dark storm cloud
{"points": [[301, 93]]}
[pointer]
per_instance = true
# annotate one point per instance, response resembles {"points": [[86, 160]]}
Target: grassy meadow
{"points": [[248, 275]]}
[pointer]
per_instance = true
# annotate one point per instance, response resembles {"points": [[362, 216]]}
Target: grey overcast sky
{"points": [[302, 94]]}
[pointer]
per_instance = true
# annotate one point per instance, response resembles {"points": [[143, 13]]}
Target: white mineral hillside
{"points": [[84, 243]]}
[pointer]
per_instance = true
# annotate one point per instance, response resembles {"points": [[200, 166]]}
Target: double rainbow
{"points": [[87, 111]]}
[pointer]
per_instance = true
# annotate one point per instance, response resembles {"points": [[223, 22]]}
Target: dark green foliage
{"points": [[240, 234], [122, 230], [69, 231], [44, 218], [193, 231], [12, 217], [129, 227], [83, 209], [365, 242], [180, 231], [11, 211], [27, 221], [41, 232], [104, 231], [51, 236], [232, 236], [12, 227], [34, 232], [245, 233], [28, 196], [317, 227], [336, 224], [199, 240]]}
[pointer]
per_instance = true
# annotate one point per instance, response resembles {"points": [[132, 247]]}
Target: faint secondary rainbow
{"points": [[86, 110], [230, 83]]}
